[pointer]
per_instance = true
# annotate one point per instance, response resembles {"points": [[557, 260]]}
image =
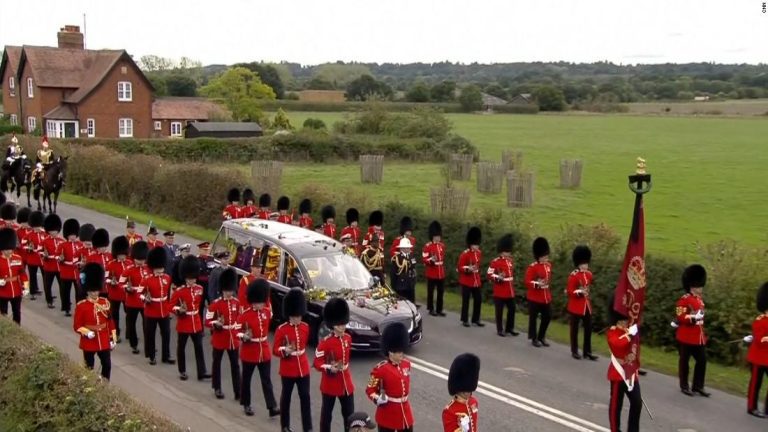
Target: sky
{"points": [[405, 31]]}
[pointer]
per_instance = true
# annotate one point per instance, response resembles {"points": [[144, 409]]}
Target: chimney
{"points": [[71, 38]]}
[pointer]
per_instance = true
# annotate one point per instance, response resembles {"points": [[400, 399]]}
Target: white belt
{"points": [[230, 327], [261, 339], [403, 399], [157, 299], [191, 313], [297, 353]]}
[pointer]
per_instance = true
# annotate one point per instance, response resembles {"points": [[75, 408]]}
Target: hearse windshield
{"points": [[336, 272]]}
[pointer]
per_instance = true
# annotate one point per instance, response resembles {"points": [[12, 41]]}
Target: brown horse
{"points": [[51, 185]]}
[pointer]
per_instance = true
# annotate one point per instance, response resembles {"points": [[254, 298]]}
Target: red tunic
{"points": [[248, 211], [456, 411], [9, 224], [433, 256], [396, 244], [232, 211], [329, 230], [133, 238], [620, 346], [157, 295], [103, 259], [501, 274], [190, 297], [537, 278], [36, 239], [156, 243], [579, 303], [256, 325], [86, 252], [335, 350], [23, 250], [115, 281], [395, 382], [69, 268], [306, 222], [242, 292], [758, 349], [263, 214], [12, 276], [96, 317], [226, 312], [369, 235], [354, 232], [295, 365], [468, 276], [50, 247], [690, 330], [133, 280]]}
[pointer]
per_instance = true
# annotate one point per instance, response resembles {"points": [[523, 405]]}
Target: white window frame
{"points": [[124, 91], [31, 124], [158, 125], [12, 86], [30, 87], [14, 120], [178, 125], [125, 127], [50, 129], [90, 127]]}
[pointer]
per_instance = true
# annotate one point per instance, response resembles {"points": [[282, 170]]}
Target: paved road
{"points": [[522, 388]]}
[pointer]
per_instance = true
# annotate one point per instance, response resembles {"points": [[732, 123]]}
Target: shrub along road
{"points": [[522, 388]]}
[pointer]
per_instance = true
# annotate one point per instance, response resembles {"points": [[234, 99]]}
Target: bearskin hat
{"points": [[86, 232], [228, 280], [8, 211], [581, 255], [140, 250], [474, 236], [189, 267], [283, 203], [694, 276], [36, 219], [464, 374], [156, 258], [762, 298], [22, 216], [540, 247], [233, 195], [100, 238], [336, 312], [120, 246], [613, 315], [71, 228], [435, 229], [52, 222], [376, 218], [352, 215], [406, 224], [258, 291], [8, 239], [265, 200], [305, 206], [328, 212], [504, 244], [248, 195], [93, 277], [394, 338], [294, 303]]}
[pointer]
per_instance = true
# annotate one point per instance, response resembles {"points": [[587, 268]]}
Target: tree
{"points": [[549, 98], [418, 93], [158, 82], [281, 121], [443, 92], [241, 91], [180, 85], [268, 75], [149, 63], [318, 83], [367, 87], [496, 90], [471, 99]]}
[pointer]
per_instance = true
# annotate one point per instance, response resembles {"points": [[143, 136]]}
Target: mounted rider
{"points": [[14, 150], [44, 161]]}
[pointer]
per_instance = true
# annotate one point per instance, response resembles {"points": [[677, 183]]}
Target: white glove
{"points": [[2, 282], [112, 345], [579, 292], [464, 423], [674, 324], [699, 316], [748, 339], [382, 399], [25, 293], [633, 330], [90, 335]]}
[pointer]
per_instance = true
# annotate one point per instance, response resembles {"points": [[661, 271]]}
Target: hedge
{"points": [[42, 390], [295, 105]]}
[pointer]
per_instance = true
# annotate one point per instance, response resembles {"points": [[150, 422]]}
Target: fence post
{"points": [[570, 173], [512, 160], [371, 168], [449, 201], [490, 176], [460, 166], [520, 186]]}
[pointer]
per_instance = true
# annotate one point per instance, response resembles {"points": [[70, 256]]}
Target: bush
{"points": [[314, 123], [296, 105], [516, 109]]}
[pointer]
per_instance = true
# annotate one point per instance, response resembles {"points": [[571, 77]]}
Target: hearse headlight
{"points": [[354, 325]]}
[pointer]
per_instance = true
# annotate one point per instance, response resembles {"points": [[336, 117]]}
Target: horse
{"points": [[20, 174], [51, 184]]}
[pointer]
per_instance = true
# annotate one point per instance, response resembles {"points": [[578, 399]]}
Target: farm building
{"points": [[522, 99], [171, 114], [490, 102], [223, 130]]}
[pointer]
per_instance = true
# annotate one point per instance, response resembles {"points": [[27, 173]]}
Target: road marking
{"points": [[516, 369], [539, 409]]}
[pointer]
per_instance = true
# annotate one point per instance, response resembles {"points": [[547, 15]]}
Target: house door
{"points": [[70, 130]]}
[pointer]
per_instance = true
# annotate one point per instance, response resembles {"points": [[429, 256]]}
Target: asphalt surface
{"points": [[522, 388]]}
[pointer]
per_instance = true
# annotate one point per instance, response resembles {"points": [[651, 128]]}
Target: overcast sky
{"points": [[404, 31]]}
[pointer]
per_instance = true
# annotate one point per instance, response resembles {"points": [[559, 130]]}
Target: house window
{"points": [[50, 129], [14, 120], [158, 125], [12, 86], [90, 127], [125, 128], [30, 88], [175, 129], [31, 124], [124, 91]]}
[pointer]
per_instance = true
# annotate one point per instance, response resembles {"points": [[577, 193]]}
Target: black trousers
{"points": [[302, 385], [150, 332], [266, 383], [432, 286], [105, 358], [131, 315], [406, 288], [181, 352], [699, 354], [755, 382], [477, 299], [114, 307], [326, 410], [34, 288], [48, 278], [499, 306], [586, 319], [383, 429], [65, 294], [534, 311], [234, 369], [15, 308], [618, 390]]}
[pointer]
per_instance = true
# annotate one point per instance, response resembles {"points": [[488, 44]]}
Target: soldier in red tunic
{"points": [[23, 232], [34, 260], [85, 237], [580, 302], [757, 356], [328, 214], [152, 239], [390, 382], [290, 346], [433, 257], [13, 280], [406, 231], [332, 358], [375, 221], [69, 256], [233, 209], [470, 279], [130, 232], [133, 280], [460, 415], [157, 307], [539, 296], [501, 273], [353, 230], [115, 272], [692, 341], [305, 218], [249, 209], [93, 321], [101, 256], [222, 318], [8, 216], [265, 201], [283, 204], [254, 351], [185, 302], [619, 342], [49, 257]]}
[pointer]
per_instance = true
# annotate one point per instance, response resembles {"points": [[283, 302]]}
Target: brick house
{"points": [[170, 115], [68, 91]]}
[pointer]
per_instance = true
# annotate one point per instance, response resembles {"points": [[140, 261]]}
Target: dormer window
{"points": [[124, 91], [30, 88]]}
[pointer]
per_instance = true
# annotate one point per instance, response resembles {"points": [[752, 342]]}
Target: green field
{"points": [[707, 173]]}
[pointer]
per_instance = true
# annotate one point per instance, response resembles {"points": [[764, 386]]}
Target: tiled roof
{"points": [[225, 126], [185, 108], [10, 59], [61, 112]]}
